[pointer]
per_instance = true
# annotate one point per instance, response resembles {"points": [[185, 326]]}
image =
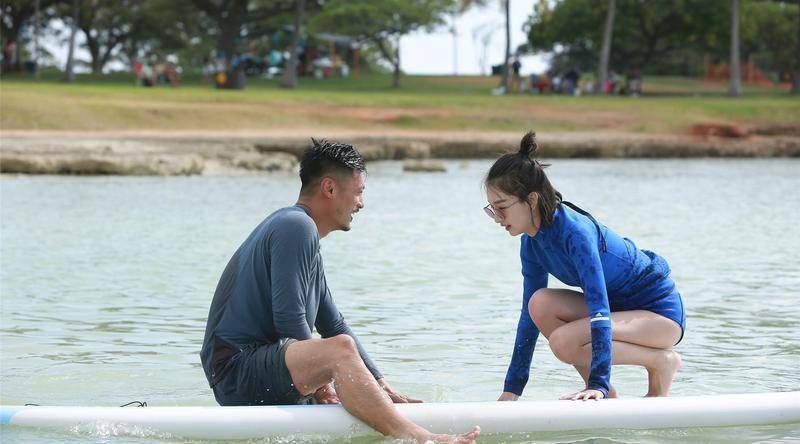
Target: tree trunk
{"points": [[396, 72], [226, 42], [735, 64], [37, 72], [605, 53], [69, 71], [454, 31], [504, 79], [796, 83], [289, 79]]}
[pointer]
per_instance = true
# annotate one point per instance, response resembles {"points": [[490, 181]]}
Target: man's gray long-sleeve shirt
{"points": [[273, 287]]}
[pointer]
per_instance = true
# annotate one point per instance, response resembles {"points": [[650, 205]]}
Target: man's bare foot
{"points": [[466, 438], [660, 378]]}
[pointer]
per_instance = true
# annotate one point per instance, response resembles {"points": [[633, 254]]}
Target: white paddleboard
{"points": [[457, 417]]}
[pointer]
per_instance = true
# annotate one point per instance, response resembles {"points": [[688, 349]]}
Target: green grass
{"points": [[423, 103]]}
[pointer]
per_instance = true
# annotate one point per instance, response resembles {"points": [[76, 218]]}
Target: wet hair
{"points": [[324, 157], [518, 174]]}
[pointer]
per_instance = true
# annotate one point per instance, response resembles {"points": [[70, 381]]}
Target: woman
{"points": [[629, 311]]}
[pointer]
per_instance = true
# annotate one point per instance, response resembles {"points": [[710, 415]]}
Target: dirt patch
{"points": [[718, 130]]}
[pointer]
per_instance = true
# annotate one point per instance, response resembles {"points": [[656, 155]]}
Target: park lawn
{"points": [[424, 103]]}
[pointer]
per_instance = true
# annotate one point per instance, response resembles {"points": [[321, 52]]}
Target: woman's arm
{"points": [[586, 257], [534, 278]]}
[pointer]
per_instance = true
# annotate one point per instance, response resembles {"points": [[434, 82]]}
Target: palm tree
{"points": [[735, 89], [507, 5], [602, 71], [796, 84]]}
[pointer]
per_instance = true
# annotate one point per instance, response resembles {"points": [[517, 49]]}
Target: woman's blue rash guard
{"points": [[614, 274]]}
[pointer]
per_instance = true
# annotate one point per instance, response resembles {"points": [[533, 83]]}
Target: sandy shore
{"points": [[215, 152]]}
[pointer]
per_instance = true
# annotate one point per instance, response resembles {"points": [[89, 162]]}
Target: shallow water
{"points": [[106, 283]]}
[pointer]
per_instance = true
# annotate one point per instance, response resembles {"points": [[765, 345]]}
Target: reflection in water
{"points": [[106, 282]]}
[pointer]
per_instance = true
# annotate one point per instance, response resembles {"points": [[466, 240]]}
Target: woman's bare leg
{"points": [[640, 337], [556, 307]]}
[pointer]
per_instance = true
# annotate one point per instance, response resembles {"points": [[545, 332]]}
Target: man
{"points": [[258, 347]]}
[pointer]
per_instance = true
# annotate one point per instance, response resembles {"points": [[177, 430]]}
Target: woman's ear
{"points": [[533, 198]]}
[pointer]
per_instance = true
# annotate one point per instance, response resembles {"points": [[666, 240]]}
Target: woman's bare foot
{"points": [[466, 438], [660, 377]]}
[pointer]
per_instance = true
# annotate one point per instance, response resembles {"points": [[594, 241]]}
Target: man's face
{"points": [[349, 198]]}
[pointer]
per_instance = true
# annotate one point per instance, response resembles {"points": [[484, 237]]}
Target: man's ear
{"points": [[327, 186]]}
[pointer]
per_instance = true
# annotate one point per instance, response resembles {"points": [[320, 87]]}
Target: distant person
{"points": [[516, 80], [258, 348], [628, 310], [613, 83], [173, 71], [633, 82], [208, 70], [571, 79]]}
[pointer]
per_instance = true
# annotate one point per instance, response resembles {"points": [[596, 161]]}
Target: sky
{"points": [[432, 53], [478, 29]]}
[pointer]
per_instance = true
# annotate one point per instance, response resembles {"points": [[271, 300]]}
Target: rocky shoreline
{"points": [[184, 153]]}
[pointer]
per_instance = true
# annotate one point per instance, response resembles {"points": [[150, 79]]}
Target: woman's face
{"points": [[513, 214]]}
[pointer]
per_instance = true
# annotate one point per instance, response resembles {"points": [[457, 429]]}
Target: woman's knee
{"points": [[541, 308], [563, 345]]}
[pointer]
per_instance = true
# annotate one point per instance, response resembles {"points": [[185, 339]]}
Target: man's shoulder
{"points": [[292, 221]]}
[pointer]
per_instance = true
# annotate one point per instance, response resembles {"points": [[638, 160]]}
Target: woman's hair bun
{"points": [[528, 146]]}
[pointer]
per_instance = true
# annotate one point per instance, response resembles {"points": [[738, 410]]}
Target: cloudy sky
{"points": [[433, 53]]}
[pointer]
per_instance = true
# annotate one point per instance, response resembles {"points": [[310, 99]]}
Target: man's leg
{"points": [[315, 362], [640, 337], [551, 308]]}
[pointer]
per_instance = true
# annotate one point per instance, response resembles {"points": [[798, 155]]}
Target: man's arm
{"points": [[292, 251]]}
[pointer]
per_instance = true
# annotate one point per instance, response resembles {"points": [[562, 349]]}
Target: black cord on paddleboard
{"points": [[137, 403]]}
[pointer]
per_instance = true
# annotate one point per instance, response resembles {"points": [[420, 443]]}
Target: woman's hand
{"points": [[396, 398], [584, 395], [508, 396]]}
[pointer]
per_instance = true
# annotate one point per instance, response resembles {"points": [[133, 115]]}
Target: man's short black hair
{"points": [[324, 157]]}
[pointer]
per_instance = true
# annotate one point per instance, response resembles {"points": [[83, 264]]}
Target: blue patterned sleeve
{"points": [[534, 278], [583, 250]]}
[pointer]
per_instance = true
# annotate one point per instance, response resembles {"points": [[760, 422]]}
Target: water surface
{"points": [[106, 283]]}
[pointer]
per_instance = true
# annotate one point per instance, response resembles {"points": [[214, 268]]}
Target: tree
{"points": [[382, 23], [504, 79], [796, 76], [106, 25], [735, 89], [289, 79], [602, 71], [231, 17], [15, 16], [69, 70], [645, 32]]}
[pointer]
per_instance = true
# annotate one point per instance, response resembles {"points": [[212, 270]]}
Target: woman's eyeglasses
{"points": [[497, 212]]}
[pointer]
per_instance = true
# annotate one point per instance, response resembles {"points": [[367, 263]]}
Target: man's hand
{"points": [[508, 396], [397, 398], [326, 395]]}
